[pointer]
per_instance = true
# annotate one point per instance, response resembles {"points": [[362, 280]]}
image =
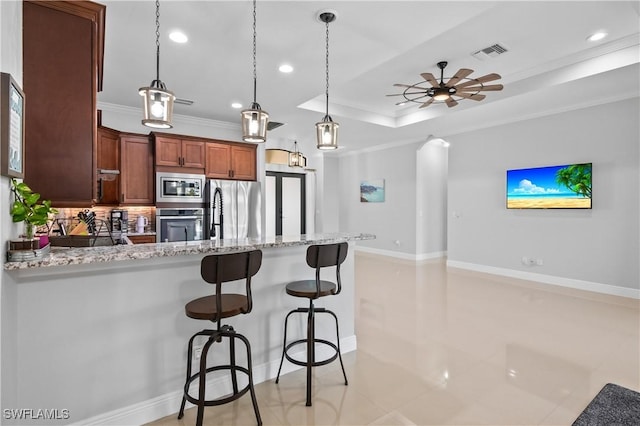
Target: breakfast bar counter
{"points": [[102, 332], [60, 256]]}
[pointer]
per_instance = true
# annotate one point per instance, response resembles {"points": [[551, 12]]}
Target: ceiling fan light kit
{"points": [[254, 120], [430, 90], [327, 129], [157, 100]]}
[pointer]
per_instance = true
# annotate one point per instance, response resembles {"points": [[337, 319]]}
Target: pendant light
{"points": [[254, 119], [158, 101], [296, 159], [327, 129]]}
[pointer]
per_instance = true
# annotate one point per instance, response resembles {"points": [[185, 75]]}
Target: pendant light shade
{"points": [[157, 100], [327, 129], [254, 120], [296, 159], [254, 124], [327, 134], [158, 105]]}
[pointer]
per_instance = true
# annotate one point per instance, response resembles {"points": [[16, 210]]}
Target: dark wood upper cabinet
{"points": [[230, 160], [136, 169], [179, 152], [108, 173], [243, 162], [63, 44]]}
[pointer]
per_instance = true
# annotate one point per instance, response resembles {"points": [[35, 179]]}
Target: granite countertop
{"points": [[77, 256]]}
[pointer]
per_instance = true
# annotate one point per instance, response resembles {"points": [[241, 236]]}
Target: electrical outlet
{"points": [[525, 260], [539, 262]]}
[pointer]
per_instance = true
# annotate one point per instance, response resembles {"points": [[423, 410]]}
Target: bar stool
{"points": [[219, 269], [318, 257]]}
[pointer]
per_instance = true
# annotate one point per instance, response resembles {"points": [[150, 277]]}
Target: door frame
{"points": [[303, 199]]}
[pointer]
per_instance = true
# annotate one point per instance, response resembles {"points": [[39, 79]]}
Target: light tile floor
{"points": [[440, 346]]}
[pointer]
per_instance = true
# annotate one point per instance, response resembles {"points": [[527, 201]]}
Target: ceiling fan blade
{"points": [[451, 102], [462, 73], [473, 96], [429, 102], [490, 87], [430, 78], [408, 93], [483, 79]]}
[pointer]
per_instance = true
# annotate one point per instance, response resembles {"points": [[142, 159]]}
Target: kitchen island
{"points": [[101, 332]]}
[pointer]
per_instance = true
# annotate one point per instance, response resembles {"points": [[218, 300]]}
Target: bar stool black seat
{"points": [[318, 257], [219, 269]]}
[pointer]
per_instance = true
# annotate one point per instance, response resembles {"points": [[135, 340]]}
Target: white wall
{"points": [[329, 183], [598, 247], [10, 62], [127, 119], [392, 221], [431, 198]]}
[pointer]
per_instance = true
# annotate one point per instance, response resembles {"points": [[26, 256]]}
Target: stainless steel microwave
{"points": [[179, 188]]}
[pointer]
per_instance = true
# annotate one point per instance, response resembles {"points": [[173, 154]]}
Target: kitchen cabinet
{"points": [[63, 44], [108, 164], [229, 160], [136, 170], [180, 152]]}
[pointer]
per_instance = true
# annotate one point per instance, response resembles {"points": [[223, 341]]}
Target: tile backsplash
{"points": [[103, 213]]}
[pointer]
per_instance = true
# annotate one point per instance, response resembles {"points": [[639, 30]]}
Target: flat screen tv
{"points": [[566, 186]]}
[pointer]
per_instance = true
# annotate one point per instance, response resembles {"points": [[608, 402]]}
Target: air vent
{"points": [[183, 101], [490, 52], [274, 125]]}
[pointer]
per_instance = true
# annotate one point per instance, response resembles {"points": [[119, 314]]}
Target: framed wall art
{"points": [[372, 191], [11, 127]]}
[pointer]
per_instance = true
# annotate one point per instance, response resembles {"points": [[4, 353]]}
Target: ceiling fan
{"points": [[430, 90]]}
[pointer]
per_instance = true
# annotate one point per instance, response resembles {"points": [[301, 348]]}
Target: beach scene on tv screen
{"points": [[554, 187]]}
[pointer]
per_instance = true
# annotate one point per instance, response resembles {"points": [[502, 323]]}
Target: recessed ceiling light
{"points": [[285, 68], [597, 36], [236, 105], [401, 103], [178, 37]]}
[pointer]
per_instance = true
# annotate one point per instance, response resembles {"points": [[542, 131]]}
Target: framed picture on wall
{"points": [[11, 127], [372, 191]]}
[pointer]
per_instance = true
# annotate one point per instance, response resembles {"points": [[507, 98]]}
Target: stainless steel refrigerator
{"points": [[241, 213]]}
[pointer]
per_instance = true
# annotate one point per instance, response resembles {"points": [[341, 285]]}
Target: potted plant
{"points": [[27, 209]]}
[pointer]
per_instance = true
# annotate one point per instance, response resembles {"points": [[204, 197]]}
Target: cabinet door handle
{"points": [[122, 198]]}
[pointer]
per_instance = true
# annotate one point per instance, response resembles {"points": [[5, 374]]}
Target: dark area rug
{"points": [[613, 406]]}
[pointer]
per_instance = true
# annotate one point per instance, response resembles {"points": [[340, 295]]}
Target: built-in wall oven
{"points": [[179, 188], [179, 224]]}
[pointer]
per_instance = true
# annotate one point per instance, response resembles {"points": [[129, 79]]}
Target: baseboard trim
{"points": [[549, 279], [164, 405], [401, 255]]}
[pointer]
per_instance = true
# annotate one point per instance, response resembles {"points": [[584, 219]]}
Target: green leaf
{"points": [[18, 212], [32, 198]]}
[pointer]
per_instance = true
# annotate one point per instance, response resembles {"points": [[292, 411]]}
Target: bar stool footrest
{"points": [[315, 363], [218, 401]]}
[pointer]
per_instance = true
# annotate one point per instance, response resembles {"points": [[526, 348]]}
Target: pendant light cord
{"points": [[158, 41], [255, 74], [327, 69]]}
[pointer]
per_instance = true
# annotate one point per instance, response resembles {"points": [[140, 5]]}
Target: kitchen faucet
{"points": [[217, 192]]}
